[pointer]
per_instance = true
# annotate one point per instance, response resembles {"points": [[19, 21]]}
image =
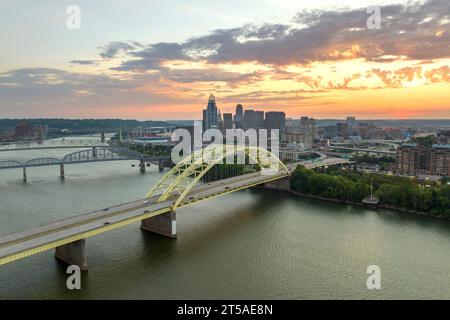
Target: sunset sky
{"points": [[162, 59]]}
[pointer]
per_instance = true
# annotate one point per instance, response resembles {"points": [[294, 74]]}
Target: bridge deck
{"points": [[26, 243], [75, 146], [363, 150], [29, 242]]}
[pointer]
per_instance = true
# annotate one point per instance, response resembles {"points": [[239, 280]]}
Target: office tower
{"points": [[204, 119], [351, 122], [259, 119], [238, 118], [249, 120], [342, 129], [253, 119], [210, 114], [308, 126], [275, 120], [220, 124], [300, 131], [227, 121]]}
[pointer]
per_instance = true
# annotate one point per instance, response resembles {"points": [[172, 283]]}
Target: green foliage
{"points": [[445, 180], [351, 185], [425, 141], [443, 200], [325, 185], [365, 158]]}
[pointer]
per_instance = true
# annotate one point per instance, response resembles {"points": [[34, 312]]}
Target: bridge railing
{"points": [[42, 162], [10, 164], [51, 144], [94, 154]]}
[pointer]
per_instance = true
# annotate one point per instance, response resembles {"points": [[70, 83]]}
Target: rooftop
{"points": [[441, 146], [409, 144]]}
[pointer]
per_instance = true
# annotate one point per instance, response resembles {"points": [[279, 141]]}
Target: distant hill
{"points": [[414, 123], [84, 126], [90, 126], [181, 122]]}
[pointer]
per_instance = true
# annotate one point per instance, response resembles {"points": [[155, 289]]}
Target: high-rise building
{"points": [[290, 122], [308, 126], [329, 131], [210, 114], [300, 131], [259, 119], [239, 116], [23, 130], [220, 124], [440, 160], [227, 121], [249, 120], [351, 122], [342, 129], [275, 120], [406, 159], [416, 159], [40, 131], [253, 119]]}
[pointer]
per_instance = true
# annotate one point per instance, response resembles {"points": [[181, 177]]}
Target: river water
{"points": [[251, 244]]}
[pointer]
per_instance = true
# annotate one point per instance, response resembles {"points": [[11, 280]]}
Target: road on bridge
{"points": [[59, 233]]}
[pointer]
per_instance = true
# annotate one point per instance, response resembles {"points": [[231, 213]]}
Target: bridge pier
{"points": [[164, 224], [94, 152], [24, 174], [61, 171], [73, 253], [142, 165]]}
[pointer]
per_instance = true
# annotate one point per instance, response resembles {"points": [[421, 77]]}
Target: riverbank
{"points": [[395, 193], [348, 202]]}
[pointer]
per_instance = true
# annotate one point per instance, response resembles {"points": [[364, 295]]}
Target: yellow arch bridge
{"points": [[177, 188]]}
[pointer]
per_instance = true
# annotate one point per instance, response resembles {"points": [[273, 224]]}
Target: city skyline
{"points": [[290, 56]]}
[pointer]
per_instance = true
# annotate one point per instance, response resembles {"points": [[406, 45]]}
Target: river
{"points": [[252, 244]]}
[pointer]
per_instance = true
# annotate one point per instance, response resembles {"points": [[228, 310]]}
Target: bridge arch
{"points": [[184, 176], [7, 164], [102, 154], [42, 162]]}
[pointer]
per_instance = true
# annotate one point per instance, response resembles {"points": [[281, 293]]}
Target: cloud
{"points": [[46, 91], [417, 31], [210, 75], [439, 74], [397, 78], [278, 64], [84, 62], [408, 32], [113, 49]]}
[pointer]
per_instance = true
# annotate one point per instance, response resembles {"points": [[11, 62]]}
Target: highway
{"points": [[363, 150], [22, 244], [52, 235], [52, 144]]}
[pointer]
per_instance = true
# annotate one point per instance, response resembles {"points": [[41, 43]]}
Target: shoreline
{"points": [[387, 207]]}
